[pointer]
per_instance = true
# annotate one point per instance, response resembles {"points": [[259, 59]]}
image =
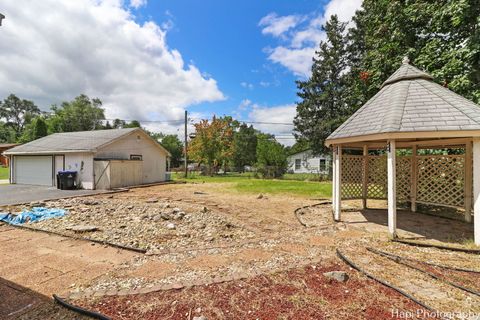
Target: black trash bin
{"points": [[66, 180]]}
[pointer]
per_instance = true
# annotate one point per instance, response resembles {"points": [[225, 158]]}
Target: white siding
{"points": [[83, 164], [308, 163]]}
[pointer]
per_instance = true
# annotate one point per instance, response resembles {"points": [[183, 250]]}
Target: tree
{"points": [[81, 114], [7, 135], [172, 143], [271, 157], [17, 113], [245, 147], [213, 143], [36, 129], [323, 106]]}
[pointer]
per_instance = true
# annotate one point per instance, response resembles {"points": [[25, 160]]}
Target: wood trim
{"points": [[406, 135]]}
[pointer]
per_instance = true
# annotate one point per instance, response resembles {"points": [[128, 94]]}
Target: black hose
{"points": [[399, 260], [305, 207], [403, 293], [429, 245], [80, 310], [430, 263]]}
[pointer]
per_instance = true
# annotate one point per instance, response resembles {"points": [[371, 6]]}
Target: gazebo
{"points": [[416, 142]]}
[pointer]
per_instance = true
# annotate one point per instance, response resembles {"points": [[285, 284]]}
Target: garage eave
{"points": [[47, 152]]}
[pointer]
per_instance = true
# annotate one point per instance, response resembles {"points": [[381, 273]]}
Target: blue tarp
{"points": [[36, 214]]}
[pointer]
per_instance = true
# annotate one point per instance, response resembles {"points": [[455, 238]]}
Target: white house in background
{"points": [[306, 162], [103, 159]]}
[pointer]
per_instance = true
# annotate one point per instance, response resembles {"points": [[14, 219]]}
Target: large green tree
{"points": [[323, 104], [172, 143], [17, 113], [245, 146], [271, 157], [213, 143], [81, 114], [36, 129]]}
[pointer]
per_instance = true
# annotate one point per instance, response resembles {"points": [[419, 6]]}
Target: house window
{"points": [[298, 164], [323, 165], [135, 157]]}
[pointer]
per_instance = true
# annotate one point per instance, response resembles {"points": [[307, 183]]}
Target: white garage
{"points": [[33, 170], [102, 159]]}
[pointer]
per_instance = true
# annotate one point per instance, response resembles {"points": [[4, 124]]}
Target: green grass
{"points": [[246, 183], [4, 173]]}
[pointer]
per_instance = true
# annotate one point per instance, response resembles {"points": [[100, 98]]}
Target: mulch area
{"points": [[17, 302], [300, 293]]}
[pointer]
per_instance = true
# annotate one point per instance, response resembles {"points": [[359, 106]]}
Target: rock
{"points": [[198, 310], [170, 226], [340, 276], [176, 210], [37, 204], [199, 318], [89, 202], [165, 216], [84, 228], [260, 196], [130, 207], [199, 192], [151, 200], [179, 215], [157, 218], [204, 209]]}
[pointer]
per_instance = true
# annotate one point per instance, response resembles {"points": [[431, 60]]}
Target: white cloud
{"points": [[277, 120], [96, 47], [246, 85], [299, 61], [304, 38], [244, 104], [276, 26], [138, 3]]}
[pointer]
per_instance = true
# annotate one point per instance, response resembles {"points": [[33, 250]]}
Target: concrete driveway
{"points": [[20, 193]]}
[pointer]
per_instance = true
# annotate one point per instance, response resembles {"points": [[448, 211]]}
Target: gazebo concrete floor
{"points": [[409, 224]]}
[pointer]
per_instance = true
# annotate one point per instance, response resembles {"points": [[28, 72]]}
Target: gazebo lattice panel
{"points": [[352, 177], [441, 179], [404, 177], [377, 177]]}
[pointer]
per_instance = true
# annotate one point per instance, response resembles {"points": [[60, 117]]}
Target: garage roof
{"points": [[67, 142]]}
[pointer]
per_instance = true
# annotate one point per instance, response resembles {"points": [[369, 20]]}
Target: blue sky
{"points": [[150, 60], [226, 42]]}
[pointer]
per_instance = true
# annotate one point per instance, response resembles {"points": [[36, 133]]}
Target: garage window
{"points": [[135, 157]]}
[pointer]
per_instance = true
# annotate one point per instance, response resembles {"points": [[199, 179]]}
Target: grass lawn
{"points": [[248, 184], [4, 173]]}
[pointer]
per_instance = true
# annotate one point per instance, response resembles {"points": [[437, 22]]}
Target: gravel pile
{"points": [[150, 224]]}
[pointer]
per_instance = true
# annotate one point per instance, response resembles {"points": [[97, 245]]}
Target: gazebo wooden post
{"points": [[413, 187], [334, 178], [365, 176], [392, 201], [476, 190], [468, 181], [338, 183]]}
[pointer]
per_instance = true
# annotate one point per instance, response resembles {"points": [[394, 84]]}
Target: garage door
{"points": [[33, 170]]}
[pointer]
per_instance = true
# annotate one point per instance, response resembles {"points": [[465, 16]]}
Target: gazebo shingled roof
{"points": [[410, 111], [409, 101]]}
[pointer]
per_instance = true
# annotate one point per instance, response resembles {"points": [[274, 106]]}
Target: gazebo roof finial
{"points": [[406, 60]]}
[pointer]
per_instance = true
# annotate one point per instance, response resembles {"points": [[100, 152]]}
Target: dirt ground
{"points": [[196, 233]]}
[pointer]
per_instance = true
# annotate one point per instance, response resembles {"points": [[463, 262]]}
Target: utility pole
{"points": [[186, 144]]}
